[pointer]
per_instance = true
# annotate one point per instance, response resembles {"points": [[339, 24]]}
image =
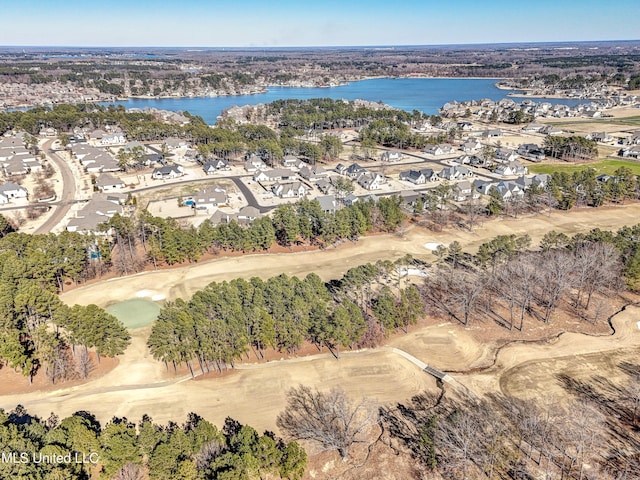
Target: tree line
{"points": [[304, 222], [122, 450], [228, 321]]}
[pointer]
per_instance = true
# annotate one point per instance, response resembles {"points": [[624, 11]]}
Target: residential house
{"points": [[551, 130], [531, 151], [493, 133], [293, 162], [289, 190], [509, 191], [370, 180], [462, 190], [440, 149], [350, 200], [601, 137], [254, 163], [482, 186], [506, 155], [465, 126], [214, 166], [631, 152], [11, 190], [48, 132], [313, 173], [173, 143], [274, 175], [471, 145], [167, 172], [409, 197], [97, 211], [533, 127], [328, 203], [456, 172], [325, 186], [391, 156], [419, 177], [107, 182], [248, 214], [353, 170], [512, 168], [110, 139], [208, 198]]}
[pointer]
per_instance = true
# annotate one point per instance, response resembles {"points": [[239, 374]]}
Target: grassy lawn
{"points": [[633, 121], [604, 166]]}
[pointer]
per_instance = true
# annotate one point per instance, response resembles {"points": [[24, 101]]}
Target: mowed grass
{"points": [[579, 124], [604, 166]]}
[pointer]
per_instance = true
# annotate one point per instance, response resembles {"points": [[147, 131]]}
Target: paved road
{"points": [[61, 207], [248, 194]]}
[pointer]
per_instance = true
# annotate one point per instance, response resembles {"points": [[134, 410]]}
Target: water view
{"points": [[424, 94]]}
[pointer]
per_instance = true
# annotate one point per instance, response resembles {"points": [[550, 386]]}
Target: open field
{"points": [[603, 166]]}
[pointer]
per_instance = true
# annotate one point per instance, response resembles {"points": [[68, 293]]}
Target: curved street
{"points": [[67, 198]]}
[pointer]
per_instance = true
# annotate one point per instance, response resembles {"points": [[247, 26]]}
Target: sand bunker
{"points": [[433, 246]]}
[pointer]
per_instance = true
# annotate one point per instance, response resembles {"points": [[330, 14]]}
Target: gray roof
{"points": [[106, 179]]}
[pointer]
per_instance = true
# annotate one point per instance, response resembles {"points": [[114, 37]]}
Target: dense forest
{"points": [[227, 321], [122, 450], [37, 331]]}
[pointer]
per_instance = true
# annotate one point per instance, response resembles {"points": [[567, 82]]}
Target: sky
{"points": [[279, 23]]}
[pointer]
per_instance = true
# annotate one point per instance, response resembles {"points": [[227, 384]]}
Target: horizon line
{"points": [[199, 47]]}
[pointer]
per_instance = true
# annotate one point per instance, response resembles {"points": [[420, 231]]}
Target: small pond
{"points": [[136, 312]]}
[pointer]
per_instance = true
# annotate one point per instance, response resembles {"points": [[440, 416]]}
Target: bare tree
{"points": [[83, 362], [554, 275], [207, 453], [130, 471], [329, 419]]}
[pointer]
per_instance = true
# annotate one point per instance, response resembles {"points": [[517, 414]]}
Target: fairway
{"points": [[602, 167]]}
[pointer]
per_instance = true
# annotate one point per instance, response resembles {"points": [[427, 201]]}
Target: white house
{"points": [[456, 172], [440, 149], [274, 175], [289, 190], [13, 190], [370, 180], [391, 156], [167, 172], [215, 166], [512, 168]]}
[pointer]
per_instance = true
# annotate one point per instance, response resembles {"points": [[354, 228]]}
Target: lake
{"points": [[424, 94]]}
